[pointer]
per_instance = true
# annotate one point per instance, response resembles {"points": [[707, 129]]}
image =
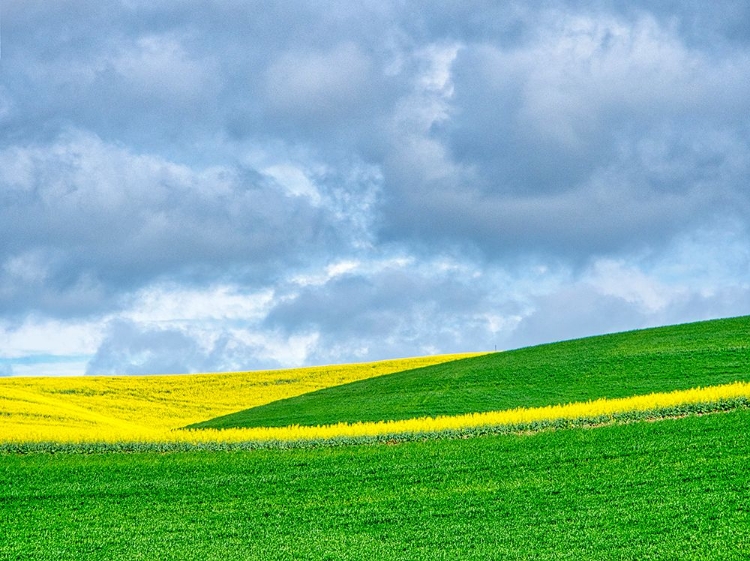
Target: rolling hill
{"points": [[617, 365]]}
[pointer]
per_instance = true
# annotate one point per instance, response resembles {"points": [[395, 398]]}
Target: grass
{"points": [[675, 489], [618, 365]]}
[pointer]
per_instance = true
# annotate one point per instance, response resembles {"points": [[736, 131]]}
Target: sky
{"points": [[225, 185]]}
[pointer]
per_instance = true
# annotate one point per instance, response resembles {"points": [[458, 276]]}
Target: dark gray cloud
{"points": [[570, 128], [171, 78], [596, 135]]}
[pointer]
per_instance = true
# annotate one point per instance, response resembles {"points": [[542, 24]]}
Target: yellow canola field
{"points": [[133, 408], [520, 416]]}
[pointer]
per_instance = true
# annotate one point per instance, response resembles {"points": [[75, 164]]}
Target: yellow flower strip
{"points": [[520, 416]]}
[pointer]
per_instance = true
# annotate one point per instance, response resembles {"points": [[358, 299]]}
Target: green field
{"points": [[619, 365], [672, 489], [668, 490]]}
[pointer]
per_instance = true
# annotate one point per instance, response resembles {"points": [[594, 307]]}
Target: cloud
{"points": [[575, 131], [596, 135], [131, 348], [613, 296], [584, 311], [396, 309], [84, 219], [157, 69], [36, 336], [572, 313], [321, 86], [285, 184], [127, 350], [179, 347]]}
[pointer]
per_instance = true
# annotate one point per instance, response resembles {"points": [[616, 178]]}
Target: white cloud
{"points": [[30, 267], [158, 65], [165, 303], [414, 153], [624, 281], [319, 84], [42, 336], [294, 181], [331, 271]]}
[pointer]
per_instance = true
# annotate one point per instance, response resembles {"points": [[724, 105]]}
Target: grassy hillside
{"points": [[669, 490], [618, 365]]}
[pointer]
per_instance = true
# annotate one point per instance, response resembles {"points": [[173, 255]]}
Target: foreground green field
{"points": [[619, 365], [675, 489]]}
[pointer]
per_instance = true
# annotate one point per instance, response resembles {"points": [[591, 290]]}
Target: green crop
{"points": [[619, 365], [674, 489]]}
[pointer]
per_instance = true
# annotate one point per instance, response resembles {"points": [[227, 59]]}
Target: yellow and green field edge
{"points": [[655, 406]]}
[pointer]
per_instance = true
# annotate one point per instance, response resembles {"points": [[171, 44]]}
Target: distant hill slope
{"points": [[617, 365], [105, 407]]}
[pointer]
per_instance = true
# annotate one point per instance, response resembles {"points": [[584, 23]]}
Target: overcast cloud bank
{"points": [[223, 186]]}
